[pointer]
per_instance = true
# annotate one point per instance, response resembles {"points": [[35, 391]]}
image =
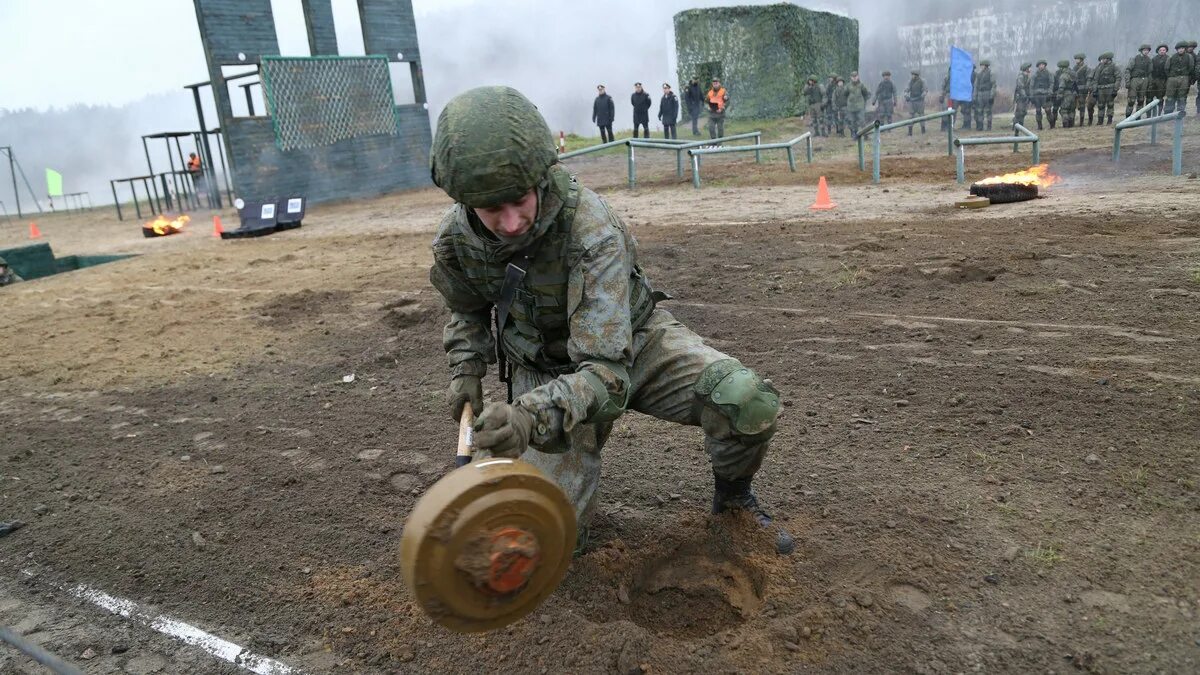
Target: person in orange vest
{"points": [[717, 99], [196, 169]]}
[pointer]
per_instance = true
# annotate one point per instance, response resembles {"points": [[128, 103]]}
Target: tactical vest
{"points": [[1139, 66], [1082, 78], [1106, 76], [1041, 83], [536, 333]]}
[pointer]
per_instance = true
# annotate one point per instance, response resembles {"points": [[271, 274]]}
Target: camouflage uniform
{"points": [[1191, 50], [831, 119], [985, 96], [1158, 76], [1021, 94], [1054, 104], [914, 96], [1040, 91], [964, 107], [1137, 80], [1180, 70], [583, 339], [943, 98], [856, 98], [7, 275], [813, 96], [1066, 98], [1083, 86], [885, 98], [840, 92], [1106, 80]]}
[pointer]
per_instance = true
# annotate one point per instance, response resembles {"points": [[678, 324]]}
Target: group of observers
{"points": [[716, 100]]}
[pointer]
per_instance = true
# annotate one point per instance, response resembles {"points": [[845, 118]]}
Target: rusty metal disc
{"points": [[487, 544]]}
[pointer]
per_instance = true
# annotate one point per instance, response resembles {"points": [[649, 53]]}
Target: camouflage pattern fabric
{"points": [[7, 275]]}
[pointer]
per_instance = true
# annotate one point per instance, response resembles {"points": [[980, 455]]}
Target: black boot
{"points": [[736, 494]]}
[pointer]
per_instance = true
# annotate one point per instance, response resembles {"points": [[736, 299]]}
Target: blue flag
{"points": [[961, 67]]}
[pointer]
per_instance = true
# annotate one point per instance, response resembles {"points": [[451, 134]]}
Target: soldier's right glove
{"points": [[504, 430], [462, 389]]}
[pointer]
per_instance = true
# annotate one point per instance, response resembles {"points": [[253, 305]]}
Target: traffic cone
{"points": [[562, 143], [217, 229], [823, 202], [34, 232]]}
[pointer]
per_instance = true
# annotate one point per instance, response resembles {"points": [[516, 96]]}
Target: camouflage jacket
{"points": [[1041, 82], [1139, 66], [1021, 92], [856, 96], [1106, 77], [1083, 78], [1158, 66], [915, 91], [584, 325], [885, 92], [813, 94], [985, 86], [1063, 81]]}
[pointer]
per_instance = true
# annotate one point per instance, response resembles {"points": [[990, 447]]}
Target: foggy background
{"points": [[83, 81]]}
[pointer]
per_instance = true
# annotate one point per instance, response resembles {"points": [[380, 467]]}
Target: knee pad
{"points": [[736, 401]]}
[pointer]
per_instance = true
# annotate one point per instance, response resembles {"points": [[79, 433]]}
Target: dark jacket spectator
{"points": [[604, 111], [668, 107], [641, 106]]}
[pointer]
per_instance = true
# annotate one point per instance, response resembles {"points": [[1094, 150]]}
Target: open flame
{"points": [[1037, 175], [161, 227]]}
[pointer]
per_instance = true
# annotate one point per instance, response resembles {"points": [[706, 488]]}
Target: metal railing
{"points": [[757, 148], [877, 145], [1136, 120], [1024, 136], [675, 145]]}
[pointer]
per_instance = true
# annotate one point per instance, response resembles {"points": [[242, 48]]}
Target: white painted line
{"points": [[185, 632]]}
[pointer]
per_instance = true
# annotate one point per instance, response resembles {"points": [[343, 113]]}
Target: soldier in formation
{"points": [[1054, 103], [855, 102], [813, 98], [1137, 80], [1106, 79], [1083, 88], [985, 96], [1181, 68], [885, 98], [1021, 94], [914, 96], [945, 97], [831, 121], [542, 278], [1158, 75], [1039, 93]]}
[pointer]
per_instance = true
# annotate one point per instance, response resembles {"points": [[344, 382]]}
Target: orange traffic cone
{"points": [[34, 232], [823, 202], [217, 229]]}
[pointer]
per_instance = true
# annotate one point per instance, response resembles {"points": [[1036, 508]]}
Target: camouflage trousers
{"points": [[885, 111], [668, 360], [1157, 89], [1177, 93], [854, 120], [815, 117], [1105, 96], [716, 125], [1066, 106], [1139, 87], [983, 112], [917, 109]]}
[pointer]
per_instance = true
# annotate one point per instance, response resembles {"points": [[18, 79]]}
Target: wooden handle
{"points": [[466, 436]]}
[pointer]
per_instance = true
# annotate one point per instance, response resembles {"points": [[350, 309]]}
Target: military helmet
{"points": [[1106, 55], [3, 262], [833, 76], [917, 73], [1162, 46], [1064, 64], [1081, 56], [1182, 44], [1192, 43], [986, 63], [1144, 47], [812, 78], [887, 73], [1026, 66], [492, 147], [1041, 62]]}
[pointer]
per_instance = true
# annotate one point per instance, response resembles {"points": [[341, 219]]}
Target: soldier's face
{"points": [[1162, 50], [1041, 66], [512, 219]]}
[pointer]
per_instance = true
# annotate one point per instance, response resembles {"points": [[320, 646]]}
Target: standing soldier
{"points": [[1021, 94], [1083, 85], [840, 102], [1191, 50], [985, 96], [813, 96], [1066, 98], [964, 107], [885, 98], [856, 99], [946, 121], [1158, 76], [694, 99], [914, 95], [1040, 91], [1052, 104], [829, 108], [1106, 79], [577, 335], [1179, 78], [1137, 75], [717, 99]]}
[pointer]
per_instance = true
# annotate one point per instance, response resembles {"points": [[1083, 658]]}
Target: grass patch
{"points": [[849, 276], [1195, 276], [1047, 555]]}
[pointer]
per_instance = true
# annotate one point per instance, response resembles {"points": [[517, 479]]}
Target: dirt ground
{"points": [[988, 451]]}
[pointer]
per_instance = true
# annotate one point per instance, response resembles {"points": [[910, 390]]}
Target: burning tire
{"points": [[1005, 193]]}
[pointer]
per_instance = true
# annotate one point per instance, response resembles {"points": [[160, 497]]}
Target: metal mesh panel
{"points": [[322, 100]]}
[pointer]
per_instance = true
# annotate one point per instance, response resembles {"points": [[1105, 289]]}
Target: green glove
{"points": [[462, 389], [504, 430]]}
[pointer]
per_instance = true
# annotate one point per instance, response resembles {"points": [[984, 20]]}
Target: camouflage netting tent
{"points": [[765, 53]]}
